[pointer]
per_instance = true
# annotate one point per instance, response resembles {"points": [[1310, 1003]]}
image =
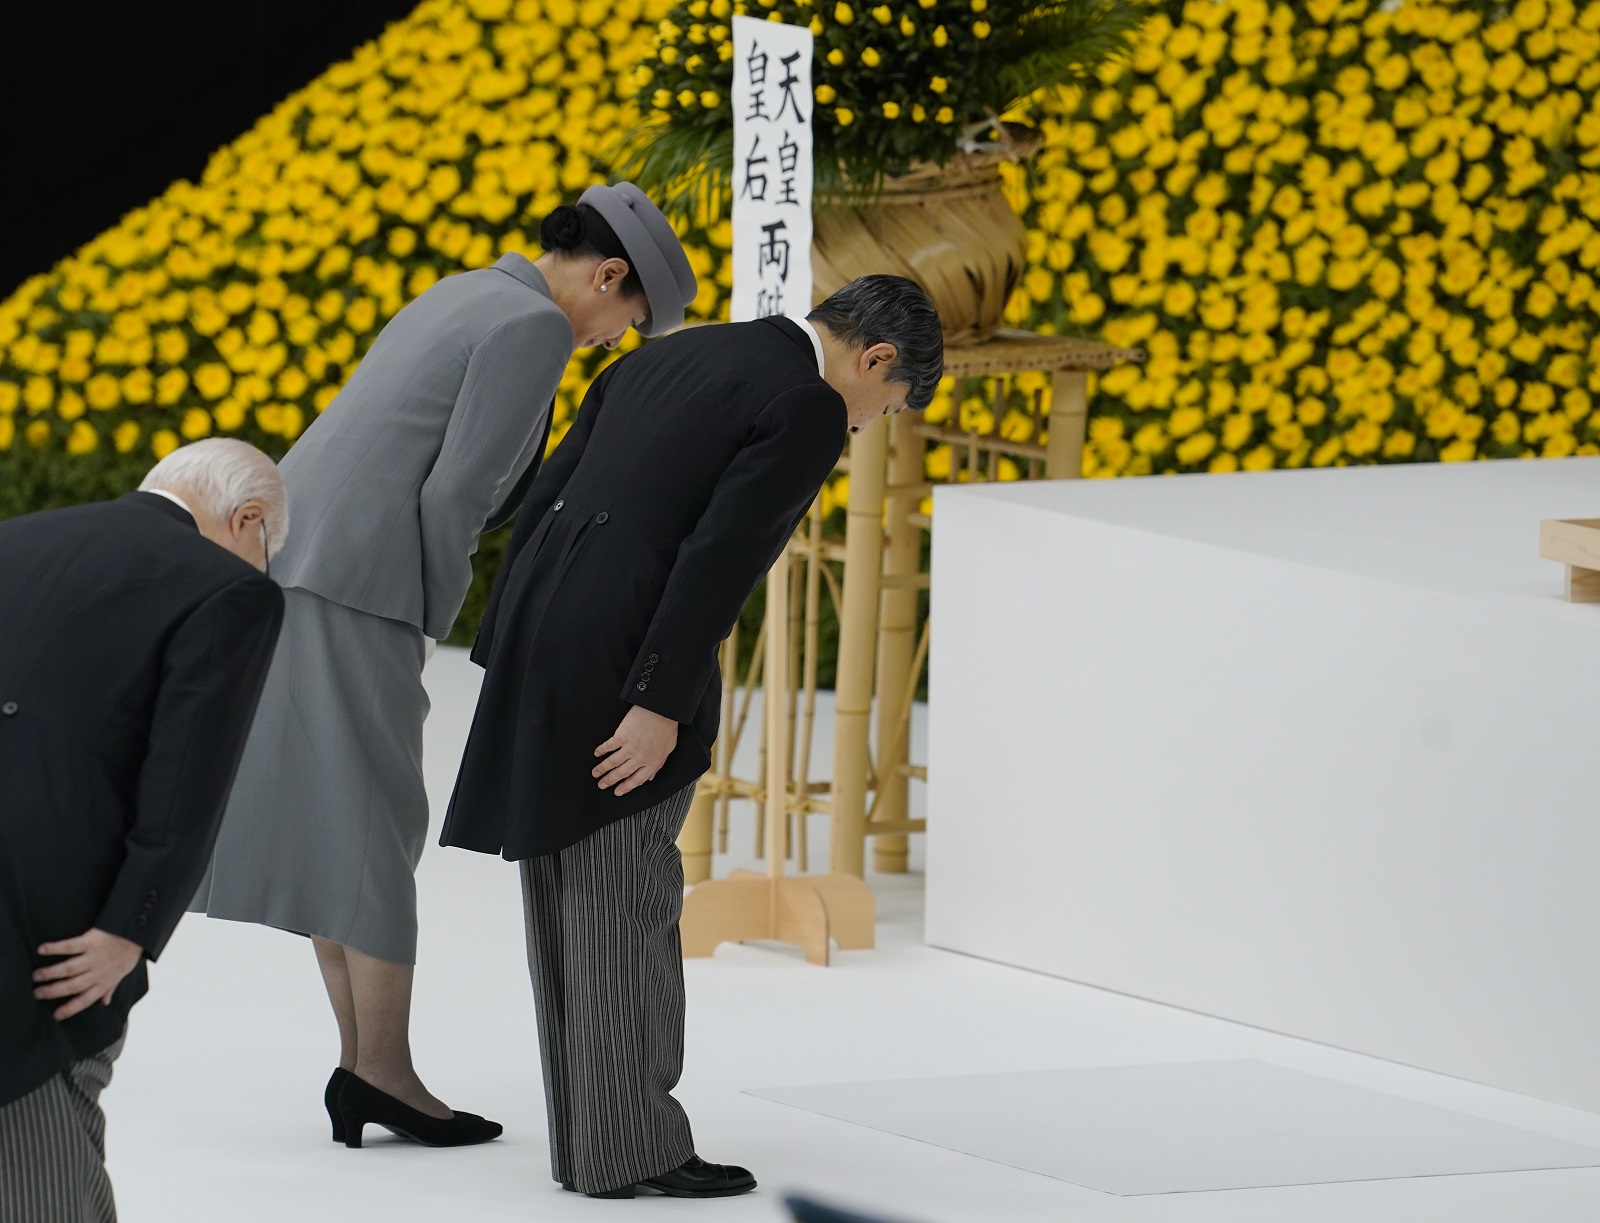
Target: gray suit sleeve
{"points": [[511, 380]]}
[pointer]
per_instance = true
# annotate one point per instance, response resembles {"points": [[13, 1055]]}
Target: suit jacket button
{"points": [[558, 505], [9, 709], [601, 516], [641, 687], [655, 658]]}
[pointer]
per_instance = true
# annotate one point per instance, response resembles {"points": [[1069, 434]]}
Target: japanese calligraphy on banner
{"points": [[771, 169]]}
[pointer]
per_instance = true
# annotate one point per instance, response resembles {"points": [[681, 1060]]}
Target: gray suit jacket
{"points": [[391, 486]]}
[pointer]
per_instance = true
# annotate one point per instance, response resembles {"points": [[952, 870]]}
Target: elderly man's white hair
{"points": [[220, 474]]}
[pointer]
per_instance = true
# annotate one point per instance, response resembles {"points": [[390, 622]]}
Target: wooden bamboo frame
{"points": [[811, 911], [880, 663], [881, 618]]}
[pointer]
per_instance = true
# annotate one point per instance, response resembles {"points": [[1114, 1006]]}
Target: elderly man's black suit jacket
{"points": [[132, 654], [687, 468]]}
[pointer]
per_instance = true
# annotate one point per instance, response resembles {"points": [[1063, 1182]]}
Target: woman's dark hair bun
{"points": [[580, 230], [562, 230]]}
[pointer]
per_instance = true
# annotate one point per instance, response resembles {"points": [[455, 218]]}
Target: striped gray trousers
{"points": [[603, 951], [53, 1149]]}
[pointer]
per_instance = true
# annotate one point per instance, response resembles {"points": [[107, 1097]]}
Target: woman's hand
{"points": [[96, 965], [635, 754]]}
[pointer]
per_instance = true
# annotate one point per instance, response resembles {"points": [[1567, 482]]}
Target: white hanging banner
{"points": [[771, 169]]}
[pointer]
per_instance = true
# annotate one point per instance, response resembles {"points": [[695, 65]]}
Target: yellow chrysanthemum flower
{"points": [[196, 424]]}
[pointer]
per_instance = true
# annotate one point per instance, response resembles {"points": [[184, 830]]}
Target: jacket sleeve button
{"points": [[655, 658], [640, 687], [9, 709]]}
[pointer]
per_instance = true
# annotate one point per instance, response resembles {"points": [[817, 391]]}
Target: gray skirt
{"points": [[328, 816]]}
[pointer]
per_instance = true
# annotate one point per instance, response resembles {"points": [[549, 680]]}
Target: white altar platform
{"points": [[1311, 751]]}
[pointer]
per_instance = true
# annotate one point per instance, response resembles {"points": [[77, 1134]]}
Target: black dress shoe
{"points": [[330, 1100], [694, 1179], [361, 1104]]}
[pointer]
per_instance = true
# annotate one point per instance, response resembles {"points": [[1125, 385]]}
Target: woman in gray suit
{"points": [[432, 441]]}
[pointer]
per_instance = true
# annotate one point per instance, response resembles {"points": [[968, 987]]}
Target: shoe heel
{"points": [[330, 1100], [352, 1127]]}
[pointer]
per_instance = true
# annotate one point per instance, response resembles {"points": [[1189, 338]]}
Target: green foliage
{"points": [[893, 86]]}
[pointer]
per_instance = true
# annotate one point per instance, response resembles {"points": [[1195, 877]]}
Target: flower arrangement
{"points": [[1344, 234], [895, 84]]}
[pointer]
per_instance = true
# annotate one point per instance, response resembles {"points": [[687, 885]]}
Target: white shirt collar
{"points": [[816, 342], [172, 497]]}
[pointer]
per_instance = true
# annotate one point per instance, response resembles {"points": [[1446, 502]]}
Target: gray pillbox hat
{"points": [[653, 249]]}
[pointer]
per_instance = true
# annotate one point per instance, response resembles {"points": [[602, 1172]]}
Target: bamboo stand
{"points": [[880, 663], [880, 652], [807, 910]]}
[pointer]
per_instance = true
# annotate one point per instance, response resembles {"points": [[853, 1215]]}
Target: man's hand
{"points": [[96, 965], [637, 751]]}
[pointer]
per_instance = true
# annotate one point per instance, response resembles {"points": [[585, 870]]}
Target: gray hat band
{"points": [[653, 250]]}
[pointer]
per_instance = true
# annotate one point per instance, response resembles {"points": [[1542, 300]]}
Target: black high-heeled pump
{"points": [[361, 1104], [330, 1100]]}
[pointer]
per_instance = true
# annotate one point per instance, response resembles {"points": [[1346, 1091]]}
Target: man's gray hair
{"points": [[220, 474], [891, 310]]}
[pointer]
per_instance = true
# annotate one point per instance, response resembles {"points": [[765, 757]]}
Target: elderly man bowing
{"points": [[134, 640]]}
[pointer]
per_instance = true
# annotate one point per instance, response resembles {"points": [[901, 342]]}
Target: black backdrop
{"points": [[105, 102]]}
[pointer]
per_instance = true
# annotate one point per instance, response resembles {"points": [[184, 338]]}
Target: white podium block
{"points": [[1313, 751]]}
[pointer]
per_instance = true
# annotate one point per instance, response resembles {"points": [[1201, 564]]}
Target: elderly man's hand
{"points": [[637, 751], [95, 966]]}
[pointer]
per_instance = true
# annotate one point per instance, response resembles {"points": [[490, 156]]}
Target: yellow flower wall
{"points": [[239, 304], [1343, 234]]}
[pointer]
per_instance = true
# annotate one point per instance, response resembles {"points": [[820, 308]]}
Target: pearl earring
{"points": [[603, 288]]}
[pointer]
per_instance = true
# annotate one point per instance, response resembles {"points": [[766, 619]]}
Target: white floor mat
{"points": [[1186, 1127]]}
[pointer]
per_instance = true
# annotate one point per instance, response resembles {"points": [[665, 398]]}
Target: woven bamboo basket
{"points": [[948, 228]]}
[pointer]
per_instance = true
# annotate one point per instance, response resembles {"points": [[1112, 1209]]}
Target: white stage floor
{"points": [[215, 1113]]}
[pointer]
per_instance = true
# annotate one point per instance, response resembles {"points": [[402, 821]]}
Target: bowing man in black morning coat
{"points": [[132, 652], [686, 471]]}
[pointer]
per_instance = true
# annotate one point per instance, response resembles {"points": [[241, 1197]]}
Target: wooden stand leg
{"points": [[897, 626], [852, 752], [802, 919], [694, 842], [808, 910], [852, 909], [1069, 412], [1583, 585], [725, 911]]}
